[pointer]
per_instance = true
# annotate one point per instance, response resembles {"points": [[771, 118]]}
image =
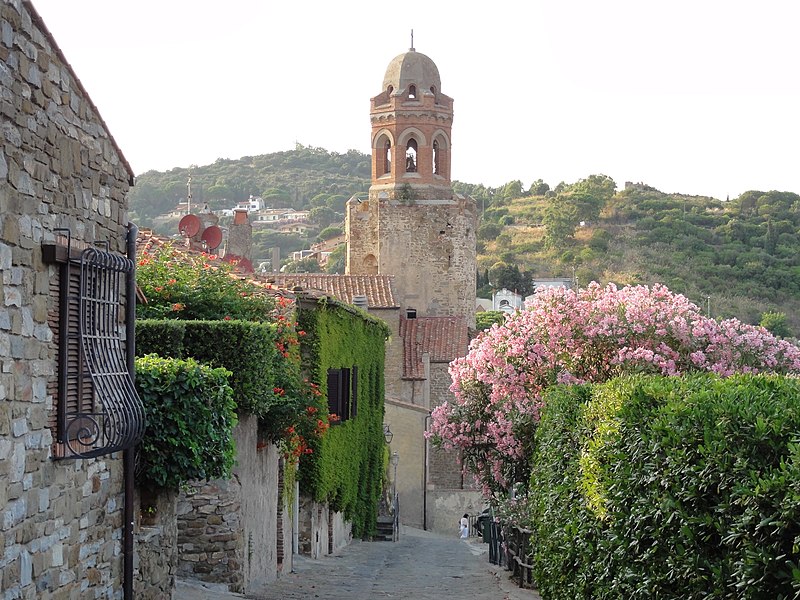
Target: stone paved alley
{"points": [[420, 566]]}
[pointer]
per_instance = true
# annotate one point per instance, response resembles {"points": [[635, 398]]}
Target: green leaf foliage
{"points": [[248, 350], [190, 416], [345, 466], [651, 487]]}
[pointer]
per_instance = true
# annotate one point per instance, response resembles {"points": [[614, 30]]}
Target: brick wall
{"points": [[60, 525]]}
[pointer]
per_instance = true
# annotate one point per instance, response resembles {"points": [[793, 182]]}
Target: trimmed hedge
{"points": [[651, 487], [248, 350], [346, 465], [190, 419]]}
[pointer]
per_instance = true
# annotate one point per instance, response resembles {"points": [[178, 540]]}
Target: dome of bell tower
{"points": [[412, 68]]}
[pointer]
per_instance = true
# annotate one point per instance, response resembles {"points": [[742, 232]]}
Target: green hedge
{"points": [[346, 467], [190, 419], [651, 487], [248, 350]]}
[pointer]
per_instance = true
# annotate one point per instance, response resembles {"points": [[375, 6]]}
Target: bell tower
{"points": [[412, 225], [411, 124]]}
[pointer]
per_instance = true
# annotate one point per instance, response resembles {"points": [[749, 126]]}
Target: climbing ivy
{"points": [[345, 466]]}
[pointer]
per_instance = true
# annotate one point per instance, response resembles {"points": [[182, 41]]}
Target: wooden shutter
{"points": [[354, 393], [335, 392], [71, 388]]}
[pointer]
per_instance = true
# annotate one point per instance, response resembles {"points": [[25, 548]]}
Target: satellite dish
{"points": [[212, 236], [189, 225]]}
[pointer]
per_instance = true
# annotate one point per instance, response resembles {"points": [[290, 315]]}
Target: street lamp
{"points": [[387, 434]]}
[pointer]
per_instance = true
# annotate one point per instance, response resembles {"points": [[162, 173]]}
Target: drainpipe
{"points": [[425, 476], [296, 520], [128, 455]]}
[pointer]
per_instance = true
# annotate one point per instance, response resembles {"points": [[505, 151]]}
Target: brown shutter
{"points": [[335, 392], [354, 394]]}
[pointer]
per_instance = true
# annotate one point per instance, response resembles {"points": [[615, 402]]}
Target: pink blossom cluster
{"points": [[579, 336]]}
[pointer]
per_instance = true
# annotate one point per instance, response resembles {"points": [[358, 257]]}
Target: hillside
{"points": [[735, 258]]}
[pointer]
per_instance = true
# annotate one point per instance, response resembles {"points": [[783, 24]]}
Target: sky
{"points": [[693, 96]]}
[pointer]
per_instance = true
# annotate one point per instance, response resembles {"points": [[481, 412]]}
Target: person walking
{"points": [[464, 526]]}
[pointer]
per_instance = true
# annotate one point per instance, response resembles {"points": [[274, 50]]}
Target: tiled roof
{"points": [[377, 288], [444, 338]]}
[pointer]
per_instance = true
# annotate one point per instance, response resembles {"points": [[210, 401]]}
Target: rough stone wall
{"points": [[429, 246], [228, 528], [211, 543], [321, 530], [60, 526], [361, 232], [156, 547]]}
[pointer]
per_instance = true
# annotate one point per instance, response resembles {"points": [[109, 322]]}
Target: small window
{"points": [[436, 157], [412, 92], [411, 313], [342, 393], [97, 410]]}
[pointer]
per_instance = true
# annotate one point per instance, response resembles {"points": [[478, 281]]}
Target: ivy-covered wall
{"points": [[345, 466]]}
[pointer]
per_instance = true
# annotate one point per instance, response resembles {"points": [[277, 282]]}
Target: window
{"points": [[387, 158], [343, 393], [436, 157], [412, 92], [411, 156], [96, 408]]}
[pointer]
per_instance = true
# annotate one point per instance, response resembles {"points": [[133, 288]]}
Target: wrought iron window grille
{"points": [[98, 409]]}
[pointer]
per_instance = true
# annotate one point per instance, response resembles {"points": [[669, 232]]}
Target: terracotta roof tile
{"points": [[377, 288], [444, 338]]}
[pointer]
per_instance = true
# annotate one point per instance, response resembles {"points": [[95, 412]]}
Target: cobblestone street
{"points": [[420, 566]]}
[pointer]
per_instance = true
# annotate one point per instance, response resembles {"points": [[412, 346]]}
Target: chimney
{"points": [[240, 236], [361, 301], [276, 259]]}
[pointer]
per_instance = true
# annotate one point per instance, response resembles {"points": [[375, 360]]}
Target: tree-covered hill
{"points": [[734, 258], [301, 178]]}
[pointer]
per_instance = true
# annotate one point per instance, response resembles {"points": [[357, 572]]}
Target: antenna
{"points": [[189, 195], [412, 41]]}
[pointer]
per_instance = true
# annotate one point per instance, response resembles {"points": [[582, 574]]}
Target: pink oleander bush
{"points": [[581, 336]]}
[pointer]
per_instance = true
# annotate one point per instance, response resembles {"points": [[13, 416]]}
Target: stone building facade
{"points": [[61, 173]]}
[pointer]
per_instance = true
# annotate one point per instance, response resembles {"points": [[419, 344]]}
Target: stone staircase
{"points": [[384, 529]]}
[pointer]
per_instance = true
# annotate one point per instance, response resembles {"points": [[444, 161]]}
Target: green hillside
{"points": [[737, 258]]}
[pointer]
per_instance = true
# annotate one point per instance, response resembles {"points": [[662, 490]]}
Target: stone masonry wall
{"points": [[228, 529], [60, 521], [156, 548], [429, 246]]}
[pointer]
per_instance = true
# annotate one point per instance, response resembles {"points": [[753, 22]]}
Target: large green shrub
{"points": [[248, 350], [345, 466], [190, 419], [669, 488]]}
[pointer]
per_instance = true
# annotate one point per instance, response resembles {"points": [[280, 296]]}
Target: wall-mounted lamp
{"points": [[387, 434]]}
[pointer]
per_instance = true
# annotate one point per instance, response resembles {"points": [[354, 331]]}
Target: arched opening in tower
{"points": [[411, 156], [387, 157], [412, 92], [436, 157]]}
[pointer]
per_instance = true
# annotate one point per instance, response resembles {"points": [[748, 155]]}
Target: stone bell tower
{"points": [[412, 225]]}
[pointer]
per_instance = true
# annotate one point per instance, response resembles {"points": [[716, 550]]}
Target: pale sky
{"points": [[691, 96]]}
